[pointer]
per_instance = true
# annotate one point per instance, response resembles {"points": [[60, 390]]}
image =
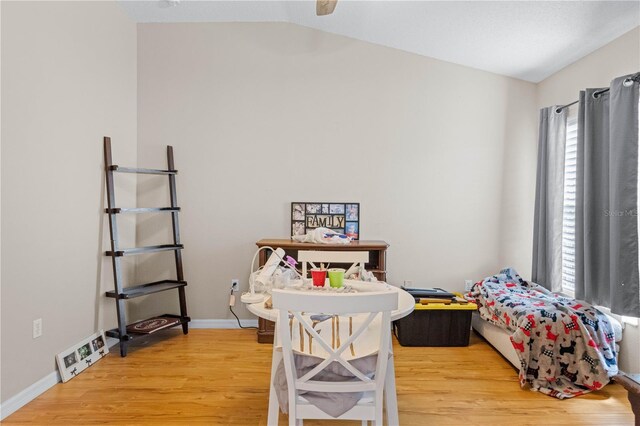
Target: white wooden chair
{"points": [[314, 258], [370, 406]]}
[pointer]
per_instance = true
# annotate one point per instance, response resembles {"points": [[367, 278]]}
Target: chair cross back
{"points": [[334, 355], [375, 303]]}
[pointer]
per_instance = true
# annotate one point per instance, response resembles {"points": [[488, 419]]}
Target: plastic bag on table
{"points": [[360, 274], [323, 236]]}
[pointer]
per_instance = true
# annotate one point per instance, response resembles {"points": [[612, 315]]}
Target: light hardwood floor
{"points": [[221, 377]]}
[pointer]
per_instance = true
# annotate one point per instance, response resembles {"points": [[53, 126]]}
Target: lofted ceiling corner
{"points": [[528, 40]]}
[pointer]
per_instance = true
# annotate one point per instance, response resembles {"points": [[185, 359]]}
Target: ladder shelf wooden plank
{"points": [[120, 169], [145, 289], [118, 210], [142, 250], [115, 333]]}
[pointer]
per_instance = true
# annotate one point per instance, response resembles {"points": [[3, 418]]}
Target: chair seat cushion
{"points": [[333, 403], [366, 399]]}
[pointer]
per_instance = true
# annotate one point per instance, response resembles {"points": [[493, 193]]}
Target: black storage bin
{"points": [[435, 327]]}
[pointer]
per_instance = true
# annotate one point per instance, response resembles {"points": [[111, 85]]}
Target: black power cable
{"points": [[238, 319]]}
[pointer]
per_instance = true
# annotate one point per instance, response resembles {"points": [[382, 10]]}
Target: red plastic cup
{"points": [[318, 276]]}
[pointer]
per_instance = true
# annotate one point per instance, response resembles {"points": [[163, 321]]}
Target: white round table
{"points": [[406, 304]]}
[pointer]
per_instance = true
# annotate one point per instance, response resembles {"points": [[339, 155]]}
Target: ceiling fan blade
{"points": [[325, 7]]}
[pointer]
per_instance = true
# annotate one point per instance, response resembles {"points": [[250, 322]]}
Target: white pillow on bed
{"points": [[615, 324]]}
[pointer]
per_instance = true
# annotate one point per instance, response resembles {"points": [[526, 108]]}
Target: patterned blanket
{"points": [[566, 347]]}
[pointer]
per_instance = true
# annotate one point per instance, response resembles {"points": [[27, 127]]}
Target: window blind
{"points": [[569, 208]]}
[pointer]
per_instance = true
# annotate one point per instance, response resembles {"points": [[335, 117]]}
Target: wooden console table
{"points": [[377, 264]]}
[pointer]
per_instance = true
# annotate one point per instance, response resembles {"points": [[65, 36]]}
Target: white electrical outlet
{"points": [[235, 284], [408, 283], [37, 328], [468, 284]]}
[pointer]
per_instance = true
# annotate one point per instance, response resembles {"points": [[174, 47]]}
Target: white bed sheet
{"points": [[497, 337]]}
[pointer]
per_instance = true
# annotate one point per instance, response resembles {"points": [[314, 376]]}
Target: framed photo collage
{"points": [[340, 217]]}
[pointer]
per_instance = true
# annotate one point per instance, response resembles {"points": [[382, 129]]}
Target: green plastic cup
{"points": [[336, 277]]}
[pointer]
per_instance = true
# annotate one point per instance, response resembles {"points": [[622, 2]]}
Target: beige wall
{"points": [[265, 114], [620, 57], [517, 182], [68, 78]]}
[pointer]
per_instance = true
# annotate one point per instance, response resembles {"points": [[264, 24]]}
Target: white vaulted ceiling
{"points": [[529, 40]]}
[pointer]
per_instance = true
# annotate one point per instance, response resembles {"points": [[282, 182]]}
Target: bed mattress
{"points": [[497, 337]]}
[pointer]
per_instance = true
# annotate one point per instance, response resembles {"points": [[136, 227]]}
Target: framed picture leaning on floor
{"points": [[81, 356]]}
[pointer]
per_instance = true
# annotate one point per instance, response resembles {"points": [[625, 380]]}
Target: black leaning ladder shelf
{"points": [[120, 293]]}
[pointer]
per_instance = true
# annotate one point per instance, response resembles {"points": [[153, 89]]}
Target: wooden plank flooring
{"points": [[221, 377]]}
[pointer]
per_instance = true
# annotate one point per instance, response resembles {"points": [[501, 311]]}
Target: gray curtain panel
{"points": [[547, 226], [607, 198]]}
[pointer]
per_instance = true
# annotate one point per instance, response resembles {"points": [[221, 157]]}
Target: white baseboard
{"points": [[222, 323], [18, 401]]}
